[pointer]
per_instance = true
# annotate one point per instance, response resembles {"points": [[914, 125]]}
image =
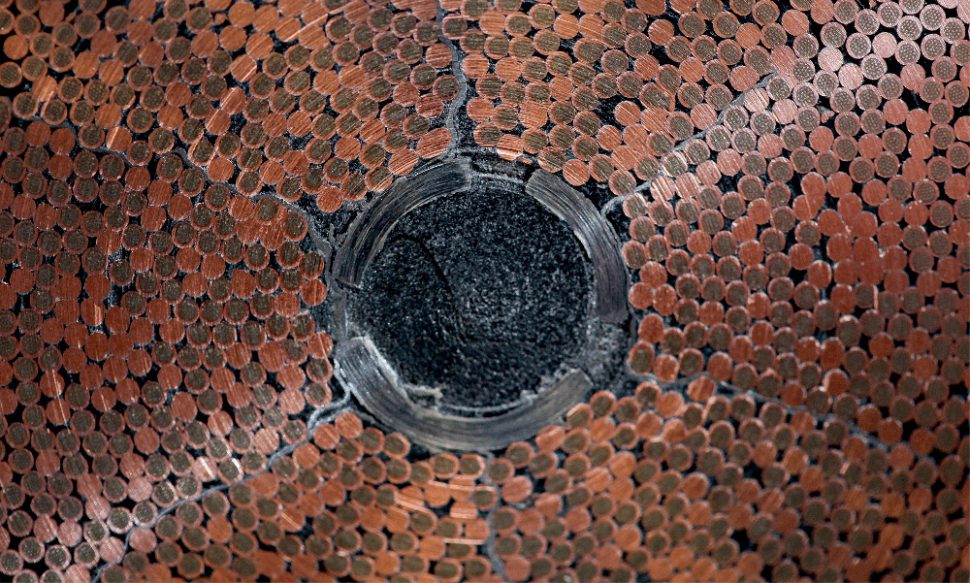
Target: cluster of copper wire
{"points": [[819, 253], [608, 91], [155, 341], [695, 482], [812, 246], [325, 99], [345, 504], [796, 183]]}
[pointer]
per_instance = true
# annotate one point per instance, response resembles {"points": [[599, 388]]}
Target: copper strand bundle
{"points": [[796, 187]]}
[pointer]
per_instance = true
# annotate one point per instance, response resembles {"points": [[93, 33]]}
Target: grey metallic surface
{"points": [[600, 242], [367, 234], [368, 374]]}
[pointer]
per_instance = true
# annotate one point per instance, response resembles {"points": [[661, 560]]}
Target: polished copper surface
{"points": [[794, 179]]}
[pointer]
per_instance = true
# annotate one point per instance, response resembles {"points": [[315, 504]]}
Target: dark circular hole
{"points": [[479, 295]]}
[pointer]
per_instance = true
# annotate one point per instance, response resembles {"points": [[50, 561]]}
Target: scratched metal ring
{"points": [[432, 291]]}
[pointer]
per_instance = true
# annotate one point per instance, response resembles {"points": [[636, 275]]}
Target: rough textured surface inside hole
{"points": [[478, 294]]}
